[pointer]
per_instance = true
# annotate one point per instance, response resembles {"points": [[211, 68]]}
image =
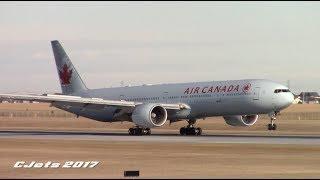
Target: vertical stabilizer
{"points": [[70, 80]]}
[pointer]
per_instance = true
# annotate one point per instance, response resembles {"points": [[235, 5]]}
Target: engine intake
{"points": [[149, 115], [241, 120]]}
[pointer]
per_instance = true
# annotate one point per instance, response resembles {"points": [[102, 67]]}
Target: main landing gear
{"points": [[138, 131], [190, 129], [272, 126]]}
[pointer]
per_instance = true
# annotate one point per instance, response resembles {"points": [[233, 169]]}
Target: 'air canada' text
{"points": [[217, 89]]}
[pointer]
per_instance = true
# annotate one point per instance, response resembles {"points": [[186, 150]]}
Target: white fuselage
{"points": [[213, 98]]}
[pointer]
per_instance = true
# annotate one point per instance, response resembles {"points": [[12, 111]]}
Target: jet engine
{"points": [[149, 115], [241, 120]]}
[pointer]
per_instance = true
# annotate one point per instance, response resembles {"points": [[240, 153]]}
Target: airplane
{"points": [[239, 102]]}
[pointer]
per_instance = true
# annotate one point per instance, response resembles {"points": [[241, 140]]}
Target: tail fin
{"points": [[70, 80]]}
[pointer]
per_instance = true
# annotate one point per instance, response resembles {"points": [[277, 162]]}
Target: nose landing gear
{"points": [[138, 131], [272, 125], [190, 129]]}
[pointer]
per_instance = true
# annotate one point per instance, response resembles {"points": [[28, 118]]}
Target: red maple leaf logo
{"points": [[65, 75], [246, 87]]}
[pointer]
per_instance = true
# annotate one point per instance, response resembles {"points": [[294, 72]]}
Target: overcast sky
{"points": [[160, 42]]}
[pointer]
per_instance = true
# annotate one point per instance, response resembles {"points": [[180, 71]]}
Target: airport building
{"points": [[309, 97]]}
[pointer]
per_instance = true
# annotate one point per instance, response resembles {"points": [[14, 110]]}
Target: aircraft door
{"points": [[256, 93]]}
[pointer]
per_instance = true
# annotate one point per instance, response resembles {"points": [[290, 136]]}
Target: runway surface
{"points": [[165, 138]]}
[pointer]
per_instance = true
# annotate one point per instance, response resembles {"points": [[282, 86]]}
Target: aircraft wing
{"points": [[52, 98]]}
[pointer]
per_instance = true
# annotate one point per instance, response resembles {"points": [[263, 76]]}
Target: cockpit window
{"points": [[281, 90]]}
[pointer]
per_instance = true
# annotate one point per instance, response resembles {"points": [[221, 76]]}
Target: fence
{"points": [[36, 113], [296, 116]]}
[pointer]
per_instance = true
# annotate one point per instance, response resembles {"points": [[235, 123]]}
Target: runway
{"points": [[164, 138]]}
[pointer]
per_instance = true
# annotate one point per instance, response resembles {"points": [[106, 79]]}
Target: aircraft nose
{"points": [[287, 100], [290, 98]]}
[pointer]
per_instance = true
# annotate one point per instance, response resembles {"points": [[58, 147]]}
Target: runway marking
{"points": [[164, 138]]}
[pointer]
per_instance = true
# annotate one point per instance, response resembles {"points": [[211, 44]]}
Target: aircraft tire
{"points": [[274, 127], [148, 131], [139, 131], [191, 131], [131, 131], [199, 131], [183, 131]]}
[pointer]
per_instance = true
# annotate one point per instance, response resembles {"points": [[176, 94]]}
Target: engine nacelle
{"points": [[149, 115], [241, 120]]}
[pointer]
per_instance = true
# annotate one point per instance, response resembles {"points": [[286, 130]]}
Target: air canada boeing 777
{"points": [[240, 102]]}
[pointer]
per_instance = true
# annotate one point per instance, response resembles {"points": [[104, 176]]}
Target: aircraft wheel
{"points": [[182, 131], [139, 131], [131, 131], [148, 131], [191, 131], [199, 131], [195, 131], [188, 131], [274, 127]]}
